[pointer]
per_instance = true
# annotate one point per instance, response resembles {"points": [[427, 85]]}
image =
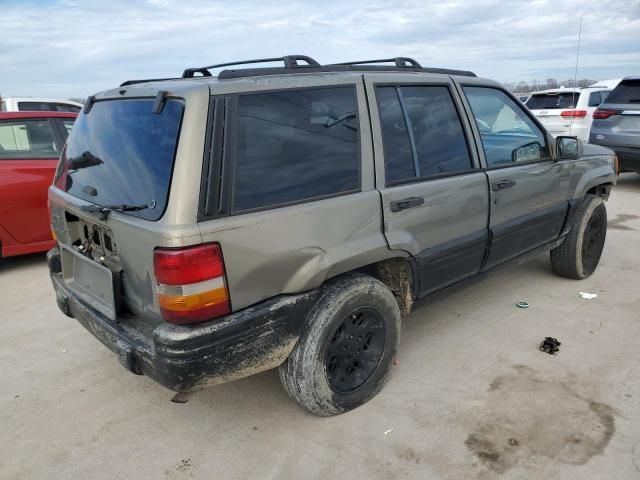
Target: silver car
{"points": [[212, 227]]}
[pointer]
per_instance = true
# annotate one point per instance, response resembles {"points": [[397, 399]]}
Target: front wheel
{"points": [[579, 254], [346, 348]]}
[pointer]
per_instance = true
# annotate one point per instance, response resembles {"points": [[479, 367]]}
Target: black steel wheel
{"points": [[346, 347], [579, 254], [355, 349], [593, 242]]}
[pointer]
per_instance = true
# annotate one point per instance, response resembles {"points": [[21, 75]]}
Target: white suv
{"points": [[567, 111], [28, 104]]}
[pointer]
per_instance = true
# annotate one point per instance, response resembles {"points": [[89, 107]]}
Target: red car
{"points": [[30, 144]]}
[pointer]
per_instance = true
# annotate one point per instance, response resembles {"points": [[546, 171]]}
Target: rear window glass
{"points": [[294, 146], [27, 139], [65, 107], [627, 91], [549, 101], [121, 153], [34, 106]]}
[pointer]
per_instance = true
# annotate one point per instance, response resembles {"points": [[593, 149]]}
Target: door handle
{"points": [[405, 203], [502, 185]]}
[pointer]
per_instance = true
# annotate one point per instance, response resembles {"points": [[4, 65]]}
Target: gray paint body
{"points": [[296, 248]]}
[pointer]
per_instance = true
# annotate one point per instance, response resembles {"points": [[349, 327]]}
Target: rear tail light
{"points": [[603, 114], [573, 114], [191, 283]]}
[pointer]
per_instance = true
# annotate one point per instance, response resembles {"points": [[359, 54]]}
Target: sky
{"points": [[73, 48]]}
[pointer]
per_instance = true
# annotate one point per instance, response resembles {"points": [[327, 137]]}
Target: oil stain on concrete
{"points": [[529, 418]]}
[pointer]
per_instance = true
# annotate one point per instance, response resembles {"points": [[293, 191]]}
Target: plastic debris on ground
{"points": [[588, 296], [550, 345], [522, 304]]}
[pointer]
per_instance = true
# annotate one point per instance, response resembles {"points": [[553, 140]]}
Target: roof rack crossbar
{"points": [[290, 62], [401, 62]]}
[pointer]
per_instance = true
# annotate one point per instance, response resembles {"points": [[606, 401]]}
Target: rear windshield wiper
{"points": [[104, 211]]}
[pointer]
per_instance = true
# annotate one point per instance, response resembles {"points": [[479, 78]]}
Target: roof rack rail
{"points": [[292, 65], [401, 62], [290, 62]]}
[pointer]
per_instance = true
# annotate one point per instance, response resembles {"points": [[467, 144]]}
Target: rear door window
{"points": [[550, 101], [595, 99], [295, 146], [27, 139], [422, 133], [627, 91]]}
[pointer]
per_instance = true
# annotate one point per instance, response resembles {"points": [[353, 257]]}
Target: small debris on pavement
{"points": [[64, 350], [522, 304], [550, 345], [396, 362], [387, 432], [588, 296]]}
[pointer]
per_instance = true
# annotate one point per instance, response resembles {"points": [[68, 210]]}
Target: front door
{"points": [[29, 151], [434, 194], [528, 190]]}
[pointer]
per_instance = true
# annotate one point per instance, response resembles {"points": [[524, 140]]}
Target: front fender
{"points": [[592, 171]]}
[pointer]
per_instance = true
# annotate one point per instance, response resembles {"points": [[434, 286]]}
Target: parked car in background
{"points": [[309, 206], [30, 145], [567, 111], [28, 104], [616, 123]]}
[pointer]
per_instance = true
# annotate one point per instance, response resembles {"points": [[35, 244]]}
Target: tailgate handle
{"points": [[405, 203], [502, 185]]}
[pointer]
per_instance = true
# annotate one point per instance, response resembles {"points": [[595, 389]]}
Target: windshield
{"points": [[547, 101], [121, 153]]}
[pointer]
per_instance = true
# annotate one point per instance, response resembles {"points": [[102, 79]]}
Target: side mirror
{"points": [[568, 148]]}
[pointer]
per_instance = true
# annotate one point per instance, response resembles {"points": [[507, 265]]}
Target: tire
{"points": [[579, 254], [347, 346]]}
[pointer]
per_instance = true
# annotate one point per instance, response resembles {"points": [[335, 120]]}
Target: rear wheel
{"points": [[346, 348], [578, 256]]}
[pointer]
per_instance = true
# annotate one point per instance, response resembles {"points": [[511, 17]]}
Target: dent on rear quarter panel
{"points": [[296, 248]]}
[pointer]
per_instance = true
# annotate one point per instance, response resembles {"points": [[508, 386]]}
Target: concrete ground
{"points": [[472, 396]]}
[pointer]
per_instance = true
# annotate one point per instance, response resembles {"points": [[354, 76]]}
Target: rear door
{"points": [[434, 194], [529, 191], [29, 151]]}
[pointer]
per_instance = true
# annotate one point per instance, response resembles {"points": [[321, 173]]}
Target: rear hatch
{"points": [[110, 198], [617, 121], [555, 110]]}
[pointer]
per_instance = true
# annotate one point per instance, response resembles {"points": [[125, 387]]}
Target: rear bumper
{"points": [[186, 358], [628, 157]]}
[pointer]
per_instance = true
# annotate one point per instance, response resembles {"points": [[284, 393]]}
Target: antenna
{"points": [[575, 72]]}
